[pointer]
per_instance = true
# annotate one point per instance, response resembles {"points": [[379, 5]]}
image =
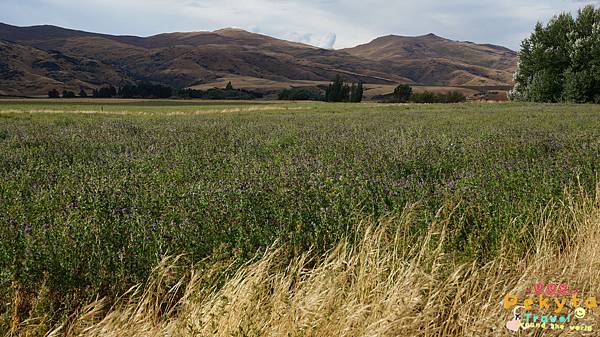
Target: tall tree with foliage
{"points": [[339, 91], [356, 92], [335, 91], [402, 93], [561, 60]]}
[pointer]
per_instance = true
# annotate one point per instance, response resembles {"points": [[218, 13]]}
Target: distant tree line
{"points": [[145, 90], [219, 94], [150, 90], [301, 94], [105, 92], [560, 62], [404, 94], [336, 91], [430, 97]]}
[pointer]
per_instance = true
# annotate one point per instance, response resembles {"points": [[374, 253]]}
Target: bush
{"points": [[430, 97], [68, 94], [301, 94], [145, 90], [402, 93], [219, 94], [53, 94], [105, 92]]}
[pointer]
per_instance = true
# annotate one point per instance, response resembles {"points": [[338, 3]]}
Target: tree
{"points": [[229, 86], [68, 94], [105, 92], [301, 94], [82, 93], [335, 91], [53, 94], [338, 91], [356, 93], [560, 61], [402, 93], [425, 97], [455, 97]]}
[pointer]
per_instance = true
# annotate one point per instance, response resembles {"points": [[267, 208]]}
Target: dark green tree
{"points": [[82, 93], [68, 94], [455, 97], [53, 94], [560, 61], [339, 91], [301, 94], [356, 93], [335, 91], [229, 86], [402, 93]]}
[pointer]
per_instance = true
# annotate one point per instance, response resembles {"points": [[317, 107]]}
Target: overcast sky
{"points": [[323, 23]]}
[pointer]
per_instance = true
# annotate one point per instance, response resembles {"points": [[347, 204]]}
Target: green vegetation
{"points": [[301, 94], [561, 60], [356, 93], [68, 94], [339, 91], [402, 93], [148, 90], [105, 92], [89, 203], [229, 93], [145, 90], [53, 94], [430, 97]]}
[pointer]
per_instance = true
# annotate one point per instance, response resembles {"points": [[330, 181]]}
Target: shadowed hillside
{"points": [[196, 58]]}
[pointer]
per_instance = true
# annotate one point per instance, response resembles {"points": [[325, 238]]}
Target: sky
{"points": [[322, 23]]}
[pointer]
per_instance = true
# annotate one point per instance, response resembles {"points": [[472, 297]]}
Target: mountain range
{"points": [[36, 59]]}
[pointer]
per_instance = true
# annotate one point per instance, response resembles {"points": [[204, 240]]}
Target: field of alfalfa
{"points": [[289, 219]]}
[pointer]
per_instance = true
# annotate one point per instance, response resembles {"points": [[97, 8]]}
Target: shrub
{"points": [[53, 93], [402, 93], [301, 94]]}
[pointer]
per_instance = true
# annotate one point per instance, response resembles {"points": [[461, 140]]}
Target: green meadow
{"points": [[93, 194]]}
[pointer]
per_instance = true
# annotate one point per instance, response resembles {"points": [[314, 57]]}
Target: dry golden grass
{"points": [[378, 286]]}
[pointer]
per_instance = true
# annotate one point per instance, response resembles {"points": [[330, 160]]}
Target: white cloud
{"points": [[326, 41]]}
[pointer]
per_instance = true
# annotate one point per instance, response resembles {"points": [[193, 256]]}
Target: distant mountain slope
{"points": [[188, 59], [27, 70], [433, 59]]}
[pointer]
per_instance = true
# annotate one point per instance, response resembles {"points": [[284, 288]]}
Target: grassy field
{"points": [[95, 194]]}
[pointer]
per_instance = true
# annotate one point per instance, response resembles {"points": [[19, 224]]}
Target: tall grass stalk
{"points": [[376, 286]]}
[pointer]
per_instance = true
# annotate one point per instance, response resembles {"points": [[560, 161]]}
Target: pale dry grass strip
{"points": [[167, 111]]}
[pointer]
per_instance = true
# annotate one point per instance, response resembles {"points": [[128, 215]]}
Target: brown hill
{"points": [[192, 59], [432, 59], [27, 70]]}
